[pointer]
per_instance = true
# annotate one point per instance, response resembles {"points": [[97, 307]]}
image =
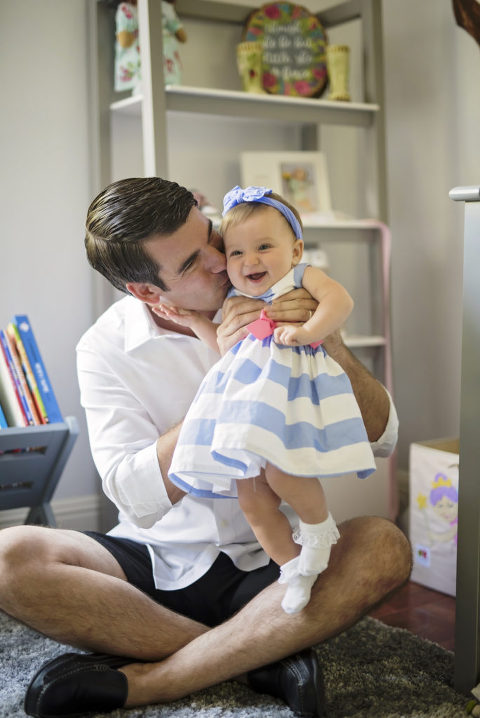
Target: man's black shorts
{"points": [[216, 596]]}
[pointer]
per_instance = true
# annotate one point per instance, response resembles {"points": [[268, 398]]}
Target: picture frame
{"points": [[300, 177]]}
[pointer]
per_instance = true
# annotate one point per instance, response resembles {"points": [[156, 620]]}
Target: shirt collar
{"points": [[140, 326]]}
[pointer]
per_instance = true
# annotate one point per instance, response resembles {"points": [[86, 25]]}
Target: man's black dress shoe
{"points": [[297, 680], [75, 684]]}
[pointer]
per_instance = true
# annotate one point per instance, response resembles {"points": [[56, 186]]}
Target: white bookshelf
{"points": [[158, 104]]}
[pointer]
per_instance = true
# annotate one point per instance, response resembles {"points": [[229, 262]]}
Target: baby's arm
{"points": [[334, 306], [204, 328]]}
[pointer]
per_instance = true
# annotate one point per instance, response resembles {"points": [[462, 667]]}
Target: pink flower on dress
{"points": [[272, 12], [126, 11]]}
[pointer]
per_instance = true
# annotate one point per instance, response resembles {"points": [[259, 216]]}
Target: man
{"points": [[179, 596]]}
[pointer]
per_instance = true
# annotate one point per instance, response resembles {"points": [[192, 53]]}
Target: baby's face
{"points": [[260, 251]]}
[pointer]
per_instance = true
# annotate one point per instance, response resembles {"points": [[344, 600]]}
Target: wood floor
{"points": [[426, 613]]}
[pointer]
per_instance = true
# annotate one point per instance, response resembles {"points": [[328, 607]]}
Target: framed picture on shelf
{"points": [[300, 177], [293, 45]]}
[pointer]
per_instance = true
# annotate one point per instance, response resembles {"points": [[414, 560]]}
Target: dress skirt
{"points": [[292, 407]]}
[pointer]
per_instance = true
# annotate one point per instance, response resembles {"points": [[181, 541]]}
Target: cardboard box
{"points": [[434, 513]]}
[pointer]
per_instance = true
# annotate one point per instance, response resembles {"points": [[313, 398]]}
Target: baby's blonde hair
{"points": [[242, 211]]}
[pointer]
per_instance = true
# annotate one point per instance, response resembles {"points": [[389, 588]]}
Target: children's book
{"points": [[25, 393], [14, 335], [9, 396], [7, 348], [36, 362]]}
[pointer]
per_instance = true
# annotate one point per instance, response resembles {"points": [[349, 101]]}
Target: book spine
{"points": [[44, 385], [13, 333], [3, 420], [16, 379], [8, 394]]}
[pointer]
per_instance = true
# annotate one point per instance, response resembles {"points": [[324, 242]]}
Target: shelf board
{"points": [[341, 223], [238, 12], [215, 10], [237, 104], [354, 341]]}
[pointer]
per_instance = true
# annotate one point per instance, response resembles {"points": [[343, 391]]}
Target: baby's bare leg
{"points": [[317, 529], [303, 493], [261, 507]]}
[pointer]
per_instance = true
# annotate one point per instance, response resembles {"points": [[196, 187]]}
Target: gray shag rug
{"points": [[370, 670]]}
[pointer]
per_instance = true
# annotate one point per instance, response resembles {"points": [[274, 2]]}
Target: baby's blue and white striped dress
{"points": [[263, 402]]}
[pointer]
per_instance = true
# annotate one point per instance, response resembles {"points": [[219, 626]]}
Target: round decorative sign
{"points": [[294, 44]]}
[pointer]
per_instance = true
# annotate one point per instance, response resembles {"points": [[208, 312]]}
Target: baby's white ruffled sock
{"points": [[316, 541], [299, 587]]}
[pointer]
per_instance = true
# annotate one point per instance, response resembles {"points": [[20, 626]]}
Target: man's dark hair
{"points": [[126, 214]]}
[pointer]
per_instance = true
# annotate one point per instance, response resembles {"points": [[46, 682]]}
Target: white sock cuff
{"points": [[324, 534], [289, 570]]}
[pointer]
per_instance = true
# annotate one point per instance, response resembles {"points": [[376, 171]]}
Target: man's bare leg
{"points": [[69, 587], [372, 558], [91, 605]]}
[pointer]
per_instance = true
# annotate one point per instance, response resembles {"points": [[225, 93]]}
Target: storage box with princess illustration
{"points": [[433, 513]]}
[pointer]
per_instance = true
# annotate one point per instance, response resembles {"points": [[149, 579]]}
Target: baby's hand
{"points": [[184, 317], [292, 335]]}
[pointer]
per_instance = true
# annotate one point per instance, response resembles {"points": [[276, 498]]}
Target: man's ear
{"points": [[148, 293]]}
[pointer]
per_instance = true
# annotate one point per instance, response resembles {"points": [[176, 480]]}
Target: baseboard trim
{"points": [[82, 513]]}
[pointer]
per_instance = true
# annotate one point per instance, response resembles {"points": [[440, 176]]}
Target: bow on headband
{"points": [[237, 195]]}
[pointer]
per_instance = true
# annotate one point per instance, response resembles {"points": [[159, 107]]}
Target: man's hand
{"points": [[237, 312], [296, 306]]}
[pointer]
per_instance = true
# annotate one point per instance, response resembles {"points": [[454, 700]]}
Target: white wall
{"points": [[432, 71], [45, 193], [433, 115]]}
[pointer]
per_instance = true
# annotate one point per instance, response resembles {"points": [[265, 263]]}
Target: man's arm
{"points": [[165, 448], [370, 394]]}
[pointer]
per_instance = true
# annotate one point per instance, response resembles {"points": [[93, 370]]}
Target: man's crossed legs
{"points": [[69, 587]]}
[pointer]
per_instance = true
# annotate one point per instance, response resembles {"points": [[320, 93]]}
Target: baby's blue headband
{"points": [[237, 195]]}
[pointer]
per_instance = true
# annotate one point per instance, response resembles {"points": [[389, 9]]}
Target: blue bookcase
{"points": [[32, 460]]}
